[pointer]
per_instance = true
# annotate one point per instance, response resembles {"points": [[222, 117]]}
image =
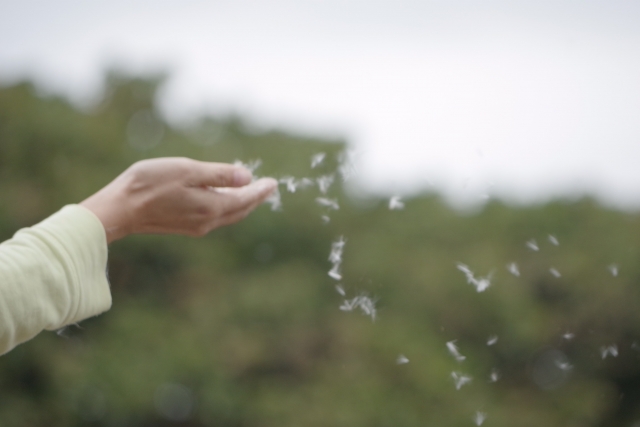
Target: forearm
{"points": [[52, 275]]}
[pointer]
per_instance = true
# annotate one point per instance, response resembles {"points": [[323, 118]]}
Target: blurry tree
{"points": [[243, 327]]}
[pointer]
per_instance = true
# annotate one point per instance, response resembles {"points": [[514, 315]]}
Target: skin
{"points": [[177, 196]]}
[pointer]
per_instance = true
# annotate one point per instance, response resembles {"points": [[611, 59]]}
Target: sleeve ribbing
{"points": [[52, 274]]}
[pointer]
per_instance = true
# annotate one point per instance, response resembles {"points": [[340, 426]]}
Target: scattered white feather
{"points": [[513, 269], [335, 256], [402, 360], [533, 245], [334, 273], [613, 268], [568, 336], [252, 165], [395, 203], [340, 290], [328, 203], [460, 379], [274, 200], [324, 183], [481, 283], [305, 183], [554, 241], [453, 350], [492, 340], [564, 365], [366, 305], [555, 272], [479, 418], [317, 159], [290, 182], [325, 219], [611, 350], [494, 376]]}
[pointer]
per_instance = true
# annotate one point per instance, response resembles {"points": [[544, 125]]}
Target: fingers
{"points": [[234, 204], [220, 175], [233, 200]]}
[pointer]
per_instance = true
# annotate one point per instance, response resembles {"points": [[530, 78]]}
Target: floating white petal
{"points": [[317, 159], [402, 359], [611, 350], [555, 272], [395, 203], [479, 418], [460, 379], [453, 349], [328, 203], [513, 269], [481, 283]]}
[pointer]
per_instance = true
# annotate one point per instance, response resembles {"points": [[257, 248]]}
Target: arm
{"points": [[54, 274], [177, 196], [51, 275]]}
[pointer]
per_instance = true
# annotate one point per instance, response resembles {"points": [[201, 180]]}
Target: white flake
{"points": [[325, 219], [613, 268], [460, 379], [347, 305], [492, 340], [609, 350], [305, 183], [334, 273], [335, 256], [317, 159], [479, 418], [324, 182], [481, 283], [395, 203], [513, 269], [366, 305], [252, 165], [555, 272], [494, 376], [340, 290], [554, 241], [568, 336], [293, 184], [329, 203], [453, 349], [564, 365], [290, 182], [402, 360], [274, 200], [533, 245]]}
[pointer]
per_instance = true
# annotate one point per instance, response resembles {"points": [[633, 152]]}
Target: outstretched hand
{"points": [[177, 196]]}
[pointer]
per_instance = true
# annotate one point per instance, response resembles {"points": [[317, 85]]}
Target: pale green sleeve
{"points": [[52, 274]]}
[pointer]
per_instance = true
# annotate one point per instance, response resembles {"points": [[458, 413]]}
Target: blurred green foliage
{"points": [[242, 327]]}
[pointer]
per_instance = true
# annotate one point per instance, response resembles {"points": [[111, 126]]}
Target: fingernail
{"points": [[242, 176]]}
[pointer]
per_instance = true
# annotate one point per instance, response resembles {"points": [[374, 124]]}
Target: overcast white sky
{"points": [[524, 100]]}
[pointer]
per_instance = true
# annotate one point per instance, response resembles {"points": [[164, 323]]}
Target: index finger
{"points": [[212, 174], [236, 199]]}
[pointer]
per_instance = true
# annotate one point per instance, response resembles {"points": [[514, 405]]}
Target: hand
{"points": [[177, 196]]}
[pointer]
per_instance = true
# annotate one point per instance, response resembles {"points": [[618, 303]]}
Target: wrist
{"points": [[110, 207]]}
